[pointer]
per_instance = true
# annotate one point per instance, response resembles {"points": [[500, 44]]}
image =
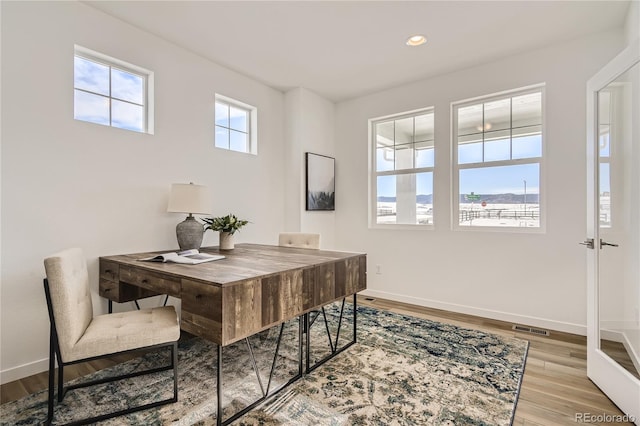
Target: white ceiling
{"points": [[344, 49]]}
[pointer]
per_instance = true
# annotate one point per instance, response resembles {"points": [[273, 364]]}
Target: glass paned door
{"points": [[618, 224], [613, 231]]}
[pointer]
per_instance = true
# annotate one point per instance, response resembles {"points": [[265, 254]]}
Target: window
{"points": [[403, 160], [235, 125], [111, 92], [498, 147]]}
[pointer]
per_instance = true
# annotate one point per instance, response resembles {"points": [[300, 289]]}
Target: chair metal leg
{"points": [[52, 366], [61, 390], [174, 362], [219, 386], [355, 317]]}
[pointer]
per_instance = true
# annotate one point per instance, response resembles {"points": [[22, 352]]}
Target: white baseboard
{"points": [[24, 370], [485, 313], [627, 335]]}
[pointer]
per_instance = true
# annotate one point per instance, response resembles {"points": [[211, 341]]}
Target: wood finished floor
{"points": [[555, 385]]}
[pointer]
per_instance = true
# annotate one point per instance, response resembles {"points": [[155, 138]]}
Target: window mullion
{"points": [[230, 129], [499, 163], [484, 127], [405, 171], [395, 152], [110, 98], [90, 92], [125, 101], [511, 128], [413, 142]]}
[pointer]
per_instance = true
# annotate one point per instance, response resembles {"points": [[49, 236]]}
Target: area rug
{"points": [[402, 371]]}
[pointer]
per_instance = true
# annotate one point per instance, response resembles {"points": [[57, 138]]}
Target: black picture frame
{"points": [[320, 182]]}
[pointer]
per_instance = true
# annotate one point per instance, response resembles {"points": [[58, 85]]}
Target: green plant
{"points": [[229, 223]]}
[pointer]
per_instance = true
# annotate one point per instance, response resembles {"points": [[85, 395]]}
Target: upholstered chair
{"points": [[77, 336], [299, 240]]}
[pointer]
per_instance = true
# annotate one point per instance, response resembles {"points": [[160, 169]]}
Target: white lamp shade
{"points": [[190, 198]]}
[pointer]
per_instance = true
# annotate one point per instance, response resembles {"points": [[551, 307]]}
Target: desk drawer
{"points": [[109, 271], [155, 282], [202, 310], [109, 289]]}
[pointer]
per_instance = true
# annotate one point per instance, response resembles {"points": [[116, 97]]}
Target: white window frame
{"points": [[148, 86], [252, 125], [455, 167], [373, 173]]}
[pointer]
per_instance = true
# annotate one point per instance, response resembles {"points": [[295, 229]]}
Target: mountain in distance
{"points": [[489, 198]]}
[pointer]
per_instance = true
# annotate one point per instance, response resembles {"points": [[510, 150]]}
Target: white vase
{"points": [[226, 241]]}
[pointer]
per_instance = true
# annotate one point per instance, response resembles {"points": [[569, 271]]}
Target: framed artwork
{"points": [[321, 182]]}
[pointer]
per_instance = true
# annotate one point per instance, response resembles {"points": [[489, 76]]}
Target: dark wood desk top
{"points": [[245, 262]]}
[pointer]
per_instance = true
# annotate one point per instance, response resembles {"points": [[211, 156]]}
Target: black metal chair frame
{"points": [[54, 353], [110, 303]]}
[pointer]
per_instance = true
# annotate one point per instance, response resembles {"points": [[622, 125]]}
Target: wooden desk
{"points": [[254, 288]]}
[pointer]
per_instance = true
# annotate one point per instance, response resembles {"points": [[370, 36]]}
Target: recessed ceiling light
{"points": [[416, 40]]}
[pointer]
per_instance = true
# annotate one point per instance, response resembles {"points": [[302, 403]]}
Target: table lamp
{"points": [[189, 198]]}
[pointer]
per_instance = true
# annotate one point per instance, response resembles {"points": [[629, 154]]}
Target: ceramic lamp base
{"points": [[189, 233]]}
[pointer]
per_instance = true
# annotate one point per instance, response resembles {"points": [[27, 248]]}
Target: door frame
{"points": [[616, 382]]}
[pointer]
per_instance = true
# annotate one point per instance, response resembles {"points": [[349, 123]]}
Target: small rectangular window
{"points": [[235, 124], [111, 92], [404, 160], [498, 152]]}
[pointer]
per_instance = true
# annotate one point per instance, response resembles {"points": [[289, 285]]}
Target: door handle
{"points": [[588, 242], [604, 243]]}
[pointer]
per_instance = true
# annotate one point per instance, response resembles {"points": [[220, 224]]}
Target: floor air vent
{"points": [[525, 329]]}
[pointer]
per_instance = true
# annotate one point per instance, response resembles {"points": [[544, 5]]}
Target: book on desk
{"points": [[191, 257]]}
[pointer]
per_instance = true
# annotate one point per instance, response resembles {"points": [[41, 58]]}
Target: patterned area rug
{"points": [[403, 371]]}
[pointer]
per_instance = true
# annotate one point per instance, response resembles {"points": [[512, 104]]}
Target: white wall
{"points": [[536, 279], [71, 183], [309, 126], [632, 22]]}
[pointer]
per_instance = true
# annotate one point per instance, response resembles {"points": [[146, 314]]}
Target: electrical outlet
{"points": [[378, 270]]}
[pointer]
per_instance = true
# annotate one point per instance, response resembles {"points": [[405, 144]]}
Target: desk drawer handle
{"points": [[107, 290], [144, 281], [198, 296]]}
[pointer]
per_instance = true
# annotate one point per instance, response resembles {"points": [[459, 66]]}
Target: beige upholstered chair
{"points": [[77, 336], [299, 239]]}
